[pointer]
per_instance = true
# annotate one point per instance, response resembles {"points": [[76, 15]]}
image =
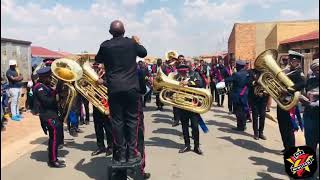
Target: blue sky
{"points": [[192, 27]]}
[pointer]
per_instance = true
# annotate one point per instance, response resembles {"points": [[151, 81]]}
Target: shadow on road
{"points": [[40, 140], [42, 156], [162, 120], [250, 145], [161, 116], [219, 124], [166, 143], [91, 136], [229, 130], [266, 176], [273, 167], [168, 131], [231, 117], [149, 108], [86, 146], [218, 110], [96, 168]]}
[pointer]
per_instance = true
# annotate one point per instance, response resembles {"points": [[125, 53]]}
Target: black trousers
{"points": [[158, 102], [186, 117], [176, 114], [286, 129], [55, 129], [241, 116], [141, 145], [86, 108], [230, 103], [125, 121], [102, 126], [258, 108], [213, 92]]}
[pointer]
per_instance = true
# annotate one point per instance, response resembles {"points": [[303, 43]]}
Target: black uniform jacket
{"points": [[119, 57]]}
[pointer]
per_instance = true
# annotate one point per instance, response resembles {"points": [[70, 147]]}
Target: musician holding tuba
{"points": [[257, 99], [119, 58], [286, 125], [191, 79], [48, 113]]}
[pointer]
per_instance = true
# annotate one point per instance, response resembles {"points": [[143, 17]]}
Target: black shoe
{"points": [[81, 123], [267, 110], [256, 137], [185, 149], [87, 122], [261, 136], [56, 164], [98, 151], [198, 150], [109, 151], [175, 123], [146, 175]]}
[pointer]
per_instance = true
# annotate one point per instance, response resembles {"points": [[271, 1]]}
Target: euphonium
{"points": [[196, 100], [65, 71], [87, 86], [274, 81], [171, 54]]}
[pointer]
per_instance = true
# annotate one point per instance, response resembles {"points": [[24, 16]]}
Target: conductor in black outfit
{"points": [[119, 57]]}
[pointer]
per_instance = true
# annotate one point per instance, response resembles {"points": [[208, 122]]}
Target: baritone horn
{"points": [[196, 100], [87, 86], [274, 81], [64, 73]]}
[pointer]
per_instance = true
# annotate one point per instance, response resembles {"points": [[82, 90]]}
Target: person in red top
{"points": [[219, 74]]}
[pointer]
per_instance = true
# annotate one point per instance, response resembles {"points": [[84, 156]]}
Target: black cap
{"points": [[45, 71]]}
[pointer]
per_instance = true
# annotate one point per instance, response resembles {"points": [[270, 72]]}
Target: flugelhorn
{"points": [[196, 100], [274, 81]]}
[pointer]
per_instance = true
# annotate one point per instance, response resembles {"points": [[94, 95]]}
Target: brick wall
{"points": [[245, 43]]}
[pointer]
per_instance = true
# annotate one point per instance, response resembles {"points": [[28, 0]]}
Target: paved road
{"points": [[227, 154]]}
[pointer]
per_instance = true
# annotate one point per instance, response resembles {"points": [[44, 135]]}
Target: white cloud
{"points": [[132, 2], [290, 14]]}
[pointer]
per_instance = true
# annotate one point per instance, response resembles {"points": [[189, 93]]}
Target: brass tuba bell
{"points": [[171, 54], [196, 100], [65, 71], [274, 81]]}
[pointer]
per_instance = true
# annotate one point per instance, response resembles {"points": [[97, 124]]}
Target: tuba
{"points": [[65, 71], [274, 81], [196, 100], [171, 54], [87, 86]]}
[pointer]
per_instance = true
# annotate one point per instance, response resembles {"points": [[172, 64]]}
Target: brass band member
{"points": [[285, 125], [102, 124], [258, 103], [119, 58], [191, 79], [48, 113]]}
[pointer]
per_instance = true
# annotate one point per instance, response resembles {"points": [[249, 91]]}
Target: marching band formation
{"points": [[118, 88]]}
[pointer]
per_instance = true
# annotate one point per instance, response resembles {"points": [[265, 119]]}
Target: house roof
{"points": [[15, 41], [304, 37], [37, 51]]}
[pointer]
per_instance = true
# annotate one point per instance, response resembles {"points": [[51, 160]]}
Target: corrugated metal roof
{"points": [[37, 51], [15, 41], [304, 37]]}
